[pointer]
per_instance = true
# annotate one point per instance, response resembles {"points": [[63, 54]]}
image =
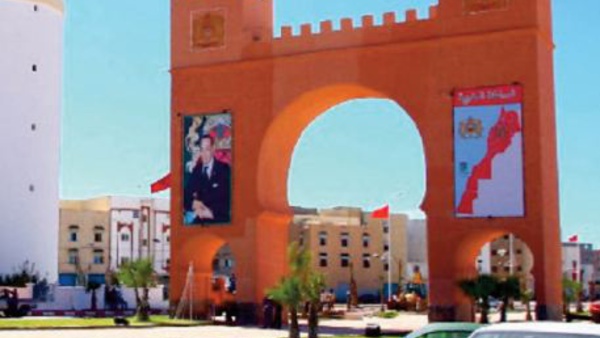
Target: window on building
{"points": [[124, 237], [366, 261], [366, 239], [519, 268], [73, 233], [124, 260], [519, 251], [323, 259], [494, 252], [494, 269], [344, 239], [322, 238], [386, 266], [144, 242], [168, 239], [386, 229], [344, 260], [506, 269], [386, 247], [98, 256], [73, 256], [98, 231], [301, 239]]}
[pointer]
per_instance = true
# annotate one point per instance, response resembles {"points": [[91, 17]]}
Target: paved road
{"points": [[171, 332], [404, 322]]}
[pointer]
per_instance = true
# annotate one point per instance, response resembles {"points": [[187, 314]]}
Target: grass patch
{"points": [[165, 320], [387, 314], [40, 323], [56, 322]]}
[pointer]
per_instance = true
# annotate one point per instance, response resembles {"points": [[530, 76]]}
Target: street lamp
{"points": [[388, 258]]}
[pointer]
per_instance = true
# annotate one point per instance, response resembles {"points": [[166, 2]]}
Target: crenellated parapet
{"points": [[352, 33], [242, 30], [347, 24]]}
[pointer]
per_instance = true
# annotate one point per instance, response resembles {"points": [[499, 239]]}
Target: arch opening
{"points": [[507, 257], [347, 160], [359, 153]]}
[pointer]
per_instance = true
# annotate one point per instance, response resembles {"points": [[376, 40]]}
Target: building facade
{"points": [[31, 33], [578, 264], [98, 235], [507, 256], [346, 242]]}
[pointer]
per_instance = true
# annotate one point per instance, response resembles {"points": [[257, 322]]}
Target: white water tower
{"points": [[31, 56]]}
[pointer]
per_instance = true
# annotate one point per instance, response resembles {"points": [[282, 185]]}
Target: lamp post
{"points": [[397, 194]]}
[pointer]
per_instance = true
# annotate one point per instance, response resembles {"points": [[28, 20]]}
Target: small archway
{"points": [[501, 254]]}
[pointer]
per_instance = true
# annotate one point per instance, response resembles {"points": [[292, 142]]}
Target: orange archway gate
{"points": [[224, 58]]}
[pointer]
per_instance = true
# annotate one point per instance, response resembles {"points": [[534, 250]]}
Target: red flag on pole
{"points": [[162, 184], [383, 212], [574, 239]]}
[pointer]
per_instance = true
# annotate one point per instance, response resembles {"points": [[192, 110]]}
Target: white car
{"points": [[538, 330]]}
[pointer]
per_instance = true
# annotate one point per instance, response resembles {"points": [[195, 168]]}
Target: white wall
{"points": [[75, 298], [29, 173]]}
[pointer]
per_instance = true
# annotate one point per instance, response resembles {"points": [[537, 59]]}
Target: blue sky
{"points": [[115, 137]]}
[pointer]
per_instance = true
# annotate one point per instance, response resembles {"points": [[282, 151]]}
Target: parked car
{"points": [[538, 330], [445, 330]]}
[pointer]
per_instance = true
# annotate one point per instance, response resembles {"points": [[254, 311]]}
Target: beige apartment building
{"points": [[347, 240], [98, 235], [83, 241]]}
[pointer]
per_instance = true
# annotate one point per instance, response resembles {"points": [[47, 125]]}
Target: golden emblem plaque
{"points": [[208, 29]]}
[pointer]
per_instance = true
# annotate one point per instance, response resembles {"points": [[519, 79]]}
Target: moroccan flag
{"points": [[573, 239], [162, 184], [383, 212]]}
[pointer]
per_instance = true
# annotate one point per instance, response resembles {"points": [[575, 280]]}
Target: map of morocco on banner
{"points": [[488, 152]]}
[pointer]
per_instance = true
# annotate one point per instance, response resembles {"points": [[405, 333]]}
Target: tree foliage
{"points": [[480, 289], [302, 285], [22, 274], [507, 289], [571, 292], [139, 274]]}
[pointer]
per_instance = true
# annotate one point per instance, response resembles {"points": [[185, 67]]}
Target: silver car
{"points": [[538, 330]]}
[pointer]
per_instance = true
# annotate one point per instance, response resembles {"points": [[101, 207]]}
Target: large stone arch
{"points": [[264, 82]]}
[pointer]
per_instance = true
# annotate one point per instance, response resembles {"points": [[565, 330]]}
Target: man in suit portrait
{"points": [[207, 194]]}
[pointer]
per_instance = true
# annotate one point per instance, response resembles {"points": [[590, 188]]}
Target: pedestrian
{"points": [[267, 313]]}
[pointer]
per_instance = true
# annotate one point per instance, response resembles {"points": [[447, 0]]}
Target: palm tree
{"points": [[571, 291], [479, 289], [526, 297], [301, 285], [312, 292], [507, 289], [288, 293], [139, 274]]}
